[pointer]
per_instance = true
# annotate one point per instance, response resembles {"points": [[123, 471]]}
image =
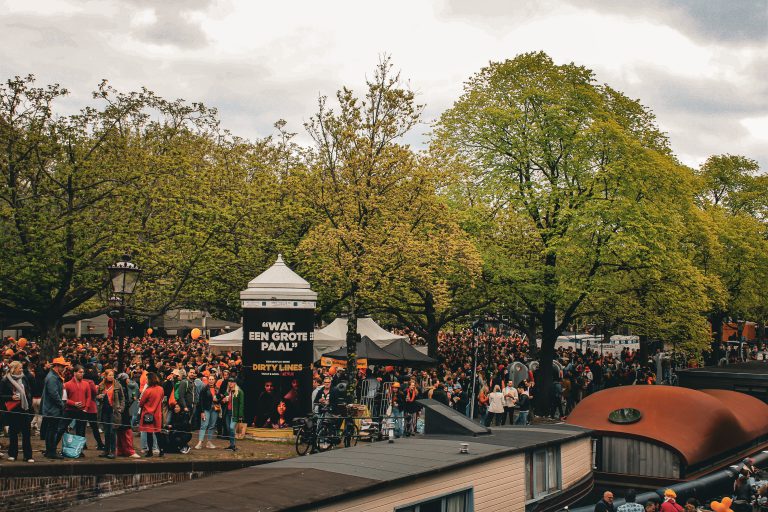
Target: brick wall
{"points": [[50, 493], [52, 487]]}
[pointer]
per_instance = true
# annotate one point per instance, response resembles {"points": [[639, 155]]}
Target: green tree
{"points": [[61, 200], [725, 177], [195, 206], [733, 196], [580, 177], [380, 221]]}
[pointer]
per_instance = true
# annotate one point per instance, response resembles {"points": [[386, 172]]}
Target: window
{"points": [[542, 472], [457, 502]]}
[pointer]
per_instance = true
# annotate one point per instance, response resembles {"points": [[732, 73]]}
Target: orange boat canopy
{"points": [[698, 425]]}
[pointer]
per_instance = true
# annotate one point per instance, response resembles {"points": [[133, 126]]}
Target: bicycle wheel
{"points": [[303, 441], [324, 437], [351, 435]]}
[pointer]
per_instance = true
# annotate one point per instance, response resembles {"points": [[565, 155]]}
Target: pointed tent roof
{"points": [[279, 275], [279, 282], [336, 331], [408, 355], [367, 349], [228, 337]]}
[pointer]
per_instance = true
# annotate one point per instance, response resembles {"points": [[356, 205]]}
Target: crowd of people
{"points": [[170, 390], [173, 389], [479, 376], [668, 504], [749, 493], [577, 374]]}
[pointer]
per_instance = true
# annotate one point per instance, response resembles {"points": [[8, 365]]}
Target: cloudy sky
{"points": [[700, 65]]}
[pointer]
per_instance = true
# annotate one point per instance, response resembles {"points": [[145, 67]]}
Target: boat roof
{"points": [[321, 478], [697, 424]]}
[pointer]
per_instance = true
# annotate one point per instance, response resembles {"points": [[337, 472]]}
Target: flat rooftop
{"points": [[320, 478]]}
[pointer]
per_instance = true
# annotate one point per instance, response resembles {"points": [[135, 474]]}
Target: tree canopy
{"points": [[542, 194]]}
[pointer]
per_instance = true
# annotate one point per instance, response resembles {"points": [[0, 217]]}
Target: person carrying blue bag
{"points": [[78, 397], [72, 446]]}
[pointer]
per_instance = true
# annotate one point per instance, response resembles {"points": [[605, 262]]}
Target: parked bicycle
{"points": [[323, 432]]}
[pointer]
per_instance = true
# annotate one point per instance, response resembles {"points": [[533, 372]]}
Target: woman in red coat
{"points": [[151, 403]]}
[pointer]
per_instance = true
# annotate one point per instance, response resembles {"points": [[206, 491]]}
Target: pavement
{"points": [[247, 450]]}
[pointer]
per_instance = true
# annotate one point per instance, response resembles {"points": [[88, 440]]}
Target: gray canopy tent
{"points": [[408, 355], [334, 335], [367, 349]]}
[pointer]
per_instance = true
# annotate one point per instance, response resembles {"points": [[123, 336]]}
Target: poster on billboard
{"points": [[277, 358]]}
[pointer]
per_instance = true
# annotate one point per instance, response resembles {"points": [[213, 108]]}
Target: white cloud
{"points": [[260, 61], [757, 126]]}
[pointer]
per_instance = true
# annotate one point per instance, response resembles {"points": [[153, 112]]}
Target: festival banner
{"points": [[277, 358], [326, 362]]}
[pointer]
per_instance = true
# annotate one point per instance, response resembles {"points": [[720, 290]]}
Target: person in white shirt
{"points": [[495, 406], [510, 399]]}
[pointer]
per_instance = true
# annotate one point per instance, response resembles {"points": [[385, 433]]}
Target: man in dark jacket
{"points": [[186, 393], [440, 395], [328, 397], [52, 406], [605, 504]]}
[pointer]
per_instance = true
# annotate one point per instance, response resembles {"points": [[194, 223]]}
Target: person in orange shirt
{"points": [[78, 398]]}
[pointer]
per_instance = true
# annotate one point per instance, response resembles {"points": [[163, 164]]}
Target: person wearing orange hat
{"points": [[397, 405], [670, 505], [52, 407]]}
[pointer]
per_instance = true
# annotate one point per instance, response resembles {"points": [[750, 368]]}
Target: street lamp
{"points": [[123, 276]]}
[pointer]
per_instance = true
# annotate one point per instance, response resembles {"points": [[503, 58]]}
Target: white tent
{"points": [[334, 335], [227, 341]]}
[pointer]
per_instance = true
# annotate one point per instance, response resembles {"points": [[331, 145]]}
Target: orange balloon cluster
{"points": [[21, 343], [196, 333], [722, 506]]}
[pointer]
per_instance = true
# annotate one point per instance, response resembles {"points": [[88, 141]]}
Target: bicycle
{"points": [[320, 433]]}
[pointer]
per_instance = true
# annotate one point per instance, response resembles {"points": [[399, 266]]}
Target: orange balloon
{"points": [[196, 333], [22, 343], [722, 506], [150, 331]]}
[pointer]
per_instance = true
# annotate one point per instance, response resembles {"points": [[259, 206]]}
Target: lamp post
{"points": [[123, 276]]}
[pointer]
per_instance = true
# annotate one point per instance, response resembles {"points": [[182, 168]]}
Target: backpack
{"points": [[72, 446], [174, 395]]}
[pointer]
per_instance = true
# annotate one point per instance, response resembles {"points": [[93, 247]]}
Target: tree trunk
{"points": [[643, 353], [352, 339], [432, 341], [543, 390], [716, 320], [530, 332], [432, 327], [49, 337]]}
